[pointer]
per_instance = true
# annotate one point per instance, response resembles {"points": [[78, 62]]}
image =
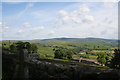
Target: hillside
{"points": [[71, 40], [46, 46], [81, 39]]}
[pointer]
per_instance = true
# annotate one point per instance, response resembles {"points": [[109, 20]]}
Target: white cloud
{"points": [[23, 32], [63, 13], [66, 19], [110, 0], [20, 31], [75, 17], [109, 4], [60, 0], [0, 23], [84, 9], [89, 18], [63, 36], [15, 20], [25, 9], [35, 30], [38, 28], [26, 25], [51, 32], [81, 21], [5, 27], [37, 14], [0, 28], [101, 22], [30, 5], [20, 34]]}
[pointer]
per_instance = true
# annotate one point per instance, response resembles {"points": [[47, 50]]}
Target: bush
{"points": [[63, 54], [115, 62], [84, 56], [101, 58]]}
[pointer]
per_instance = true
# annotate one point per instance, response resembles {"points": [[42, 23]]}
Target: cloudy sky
{"points": [[41, 20]]}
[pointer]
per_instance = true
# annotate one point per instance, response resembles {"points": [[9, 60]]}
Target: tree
{"points": [[13, 47], [101, 58], [59, 54], [54, 49], [69, 56], [84, 55], [107, 58], [18, 46], [63, 54], [68, 53], [34, 48], [115, 62]]}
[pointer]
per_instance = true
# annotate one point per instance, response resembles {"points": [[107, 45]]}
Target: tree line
{"points": [[114, 61], [17, 46], [63, 54]]}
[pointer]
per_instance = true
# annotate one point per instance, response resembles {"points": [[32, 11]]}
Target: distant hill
{"points": [[82, 40], [71, 40]]}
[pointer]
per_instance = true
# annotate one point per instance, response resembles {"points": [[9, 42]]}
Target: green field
{"points": [[92, 48], [45, 48], [70, 51]]}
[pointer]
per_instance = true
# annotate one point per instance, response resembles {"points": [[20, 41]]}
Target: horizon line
{"points": [[58, 37]]}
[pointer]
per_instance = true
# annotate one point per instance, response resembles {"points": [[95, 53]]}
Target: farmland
{"points": [[91, 46], [52, 64], [46, 48]]}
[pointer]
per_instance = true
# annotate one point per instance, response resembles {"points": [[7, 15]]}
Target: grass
{"points": [[90, 56], [45, 51], [71, 62], [93, 57], [100, 67], [45, 48], [107, 51]]}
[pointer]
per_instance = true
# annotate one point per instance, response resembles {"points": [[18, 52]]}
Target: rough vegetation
{"points": [[57, 59]]}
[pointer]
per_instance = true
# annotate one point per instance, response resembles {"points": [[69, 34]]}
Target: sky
{"points": [[44, 20], [60, 0]]}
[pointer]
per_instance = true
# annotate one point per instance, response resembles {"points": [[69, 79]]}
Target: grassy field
{"points": [[71, 62], [45, 48], [45, 51]]}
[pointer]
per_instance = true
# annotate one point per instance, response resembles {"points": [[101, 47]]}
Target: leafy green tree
{"points": [[115, 62], [18, 46], [84, 55], [28, 46], [59, 53], [107, 58], [63, 54], [69, 56], [101, 58], [34, 48], [13, 47], [68, 53], [54, 49]]}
